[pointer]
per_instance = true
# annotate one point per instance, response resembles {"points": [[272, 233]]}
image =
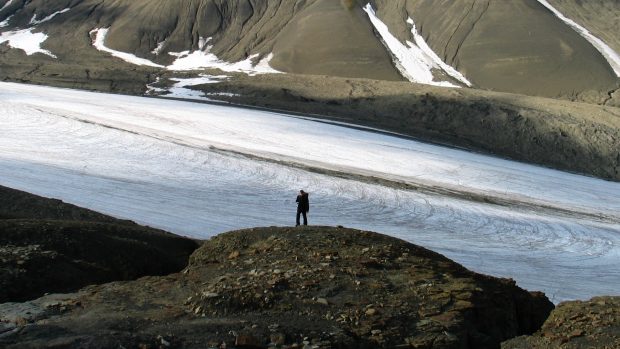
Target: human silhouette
{"points": [[303, 206]]}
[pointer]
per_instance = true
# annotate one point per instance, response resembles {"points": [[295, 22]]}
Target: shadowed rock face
{"points": [[513, 46], [49, 246]]}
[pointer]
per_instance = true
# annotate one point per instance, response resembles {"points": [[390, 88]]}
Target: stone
{"points": [[277, 338], [322, 301], [248, 341]]}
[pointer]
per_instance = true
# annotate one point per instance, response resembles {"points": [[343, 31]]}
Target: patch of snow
{"points": [[263, 67], [436, 61], [202, 42], [99, 43], [159, 48], [224, 94], [34, 20], [417, 61], [180, 88], [610, 55], [7, 4], [187, 60], [26, 40], [5, 23]]}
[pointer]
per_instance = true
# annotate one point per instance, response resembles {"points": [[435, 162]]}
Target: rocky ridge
{"points": [[578, 324], [50, 246], [318, 287]]}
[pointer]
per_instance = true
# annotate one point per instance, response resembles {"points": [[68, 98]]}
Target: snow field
{"points": [[180, 166]]}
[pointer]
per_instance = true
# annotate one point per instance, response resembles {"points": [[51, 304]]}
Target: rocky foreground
{"points": [[575, 325], [318, 286], [50, 246]]}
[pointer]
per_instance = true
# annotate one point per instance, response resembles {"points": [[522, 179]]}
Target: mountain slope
{"points": [[601, 17], [515, 46]]}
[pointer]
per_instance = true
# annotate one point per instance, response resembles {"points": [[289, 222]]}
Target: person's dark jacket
{"points": [[303, 204]]}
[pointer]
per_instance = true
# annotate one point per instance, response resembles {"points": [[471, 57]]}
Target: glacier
{"points": [[198, 170]]}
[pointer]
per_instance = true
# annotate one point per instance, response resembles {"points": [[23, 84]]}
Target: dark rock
{"points": [[575, 325], [48, 246], [422, 300]]}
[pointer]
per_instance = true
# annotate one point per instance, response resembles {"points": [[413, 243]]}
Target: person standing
{"points": [[303, 206]]}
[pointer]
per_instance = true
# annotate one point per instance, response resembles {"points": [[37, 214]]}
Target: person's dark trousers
{"points": [[304, 214]]}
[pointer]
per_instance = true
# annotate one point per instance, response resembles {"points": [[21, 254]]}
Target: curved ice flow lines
{"points": [[153, 170]]}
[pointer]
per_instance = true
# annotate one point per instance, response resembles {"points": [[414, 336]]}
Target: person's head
{"points": [[302, 192]]}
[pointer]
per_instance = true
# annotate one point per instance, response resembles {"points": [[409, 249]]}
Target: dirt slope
{"points": [[513, 46], [601, 17]]}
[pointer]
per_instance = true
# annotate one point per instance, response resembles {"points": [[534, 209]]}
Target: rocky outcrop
{"points": [[579, 324], [278, 287], [49, 246]]}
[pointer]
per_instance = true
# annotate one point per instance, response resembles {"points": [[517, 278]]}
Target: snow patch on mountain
{"points": [[34, 20], [159, 48], [437, 62], [202, 59], [188, 60], [180, 88], [5, 23], [415, 61], [99, 43], [610, 55], [26, 40], [7, 4]]}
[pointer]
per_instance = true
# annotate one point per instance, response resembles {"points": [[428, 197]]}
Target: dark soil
{"points": [[50, 246]]}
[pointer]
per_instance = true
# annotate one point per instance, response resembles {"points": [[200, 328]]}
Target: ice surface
{"points": [[610, 55], [181, 166], [26, 40], [99, 43], [34, 20], [416, 61]]}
